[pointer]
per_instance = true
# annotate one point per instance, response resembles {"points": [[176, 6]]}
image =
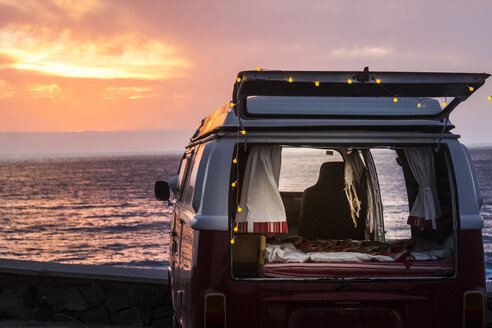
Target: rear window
{"points": [[342, 212]]}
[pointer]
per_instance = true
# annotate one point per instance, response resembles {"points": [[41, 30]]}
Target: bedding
{"points": [[298, 257], [300, 249], [358, 269]]}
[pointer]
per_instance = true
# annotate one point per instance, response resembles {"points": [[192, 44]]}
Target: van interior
{"points": [[342, 212]]}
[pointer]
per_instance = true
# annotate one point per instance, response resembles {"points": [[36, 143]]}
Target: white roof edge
{"points": [[471, 222], [209, 222]]}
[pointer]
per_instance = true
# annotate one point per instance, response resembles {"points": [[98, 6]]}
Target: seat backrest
{"points": [[325, 212]]}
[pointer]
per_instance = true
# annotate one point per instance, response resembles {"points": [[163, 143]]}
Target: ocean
{"points": [[101, 210]]}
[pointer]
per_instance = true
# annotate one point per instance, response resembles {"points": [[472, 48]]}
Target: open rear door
{"points": [[353, 95]]}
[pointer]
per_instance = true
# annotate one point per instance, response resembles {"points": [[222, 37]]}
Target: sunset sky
{"points": [[71, 72]]}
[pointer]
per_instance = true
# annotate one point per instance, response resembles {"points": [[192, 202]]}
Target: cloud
{"points": [[62, 53], [361, 52], [128, 92], [45, 91]]}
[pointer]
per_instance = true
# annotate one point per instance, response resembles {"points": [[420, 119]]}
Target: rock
{"points": [[67, 317], [11, 306], [146, 314], [42, 311], [163, 312], [93, 295], [163, 323], [129, 316], [117, 300], [68, 298], [29, 295], [96, 315], [147, 297]]}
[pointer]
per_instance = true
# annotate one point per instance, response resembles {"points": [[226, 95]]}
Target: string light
{"points": [[444, 104], [291, 80], [316, 83], [234, 184], [471, 89], [489, 97], [378, 81], [349, 81], [419, 105], [258, 69], [238, 79], [395, 99], [232, 104]]}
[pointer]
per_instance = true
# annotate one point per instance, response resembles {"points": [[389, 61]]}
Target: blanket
{"points": [[397, 250]]}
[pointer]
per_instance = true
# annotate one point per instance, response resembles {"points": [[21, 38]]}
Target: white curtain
{"points": [[426, 208], [262, 207]]}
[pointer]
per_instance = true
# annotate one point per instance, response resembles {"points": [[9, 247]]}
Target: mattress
{"points": [[358, 269]]}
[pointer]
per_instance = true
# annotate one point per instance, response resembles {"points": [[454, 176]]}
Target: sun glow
{"points": [[128, 56]]}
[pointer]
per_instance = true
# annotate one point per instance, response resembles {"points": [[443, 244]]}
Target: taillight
{"points": [[215, 314], [473, 307]]}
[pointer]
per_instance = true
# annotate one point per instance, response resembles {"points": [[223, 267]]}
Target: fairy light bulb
{"points": [[316, 83], [349, 81], [232, 241], [291, 80], [236, 229], [238, 79], [444, 104], [233, 184], [489, 97], [395, 99], [378, 81], [243, 132], [234, 160], [258, 69], [419, 105], [471, 89], [239, 209], [232, 104]]}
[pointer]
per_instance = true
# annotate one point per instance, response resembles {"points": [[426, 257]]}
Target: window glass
{"points": [[393, 194], [203, 160], [190, 186], [183, 172], [300, 166]]}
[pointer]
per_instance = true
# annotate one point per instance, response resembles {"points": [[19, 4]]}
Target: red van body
{"points": [[208, 289]]}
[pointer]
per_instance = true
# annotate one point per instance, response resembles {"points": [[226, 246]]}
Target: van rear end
{"points": [[307, 211], [367, 268]]}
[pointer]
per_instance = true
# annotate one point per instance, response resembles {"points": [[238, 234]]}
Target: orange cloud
{"points": [[45, 91], [128, 92], [127, 56]]}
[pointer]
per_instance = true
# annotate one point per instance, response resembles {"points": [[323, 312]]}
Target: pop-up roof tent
{"points": [[398, 98]]}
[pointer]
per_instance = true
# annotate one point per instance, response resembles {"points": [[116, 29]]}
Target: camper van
{"points": [[329, 199]]}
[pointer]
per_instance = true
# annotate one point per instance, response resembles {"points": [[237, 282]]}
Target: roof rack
{"points": [[357, 84]]}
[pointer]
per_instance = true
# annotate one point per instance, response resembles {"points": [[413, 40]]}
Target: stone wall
{"points": [[100, 299]]}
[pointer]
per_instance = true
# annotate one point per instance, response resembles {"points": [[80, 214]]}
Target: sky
{"points": [[121, 75]]}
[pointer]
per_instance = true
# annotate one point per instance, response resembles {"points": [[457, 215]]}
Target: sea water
{"points": [[101, 209]]}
